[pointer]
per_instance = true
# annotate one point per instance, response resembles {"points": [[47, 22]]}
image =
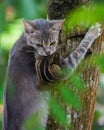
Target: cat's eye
{"points": [[54, 29], [52, 43], [39, 45], [31, 32]]}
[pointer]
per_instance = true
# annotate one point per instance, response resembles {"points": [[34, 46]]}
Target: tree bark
{"points": [[82, 119], [58, 9], [90, 74]]}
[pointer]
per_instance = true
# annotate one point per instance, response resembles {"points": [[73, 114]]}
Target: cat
{"points": [[22, 98], [36, 48], [43, 35]]}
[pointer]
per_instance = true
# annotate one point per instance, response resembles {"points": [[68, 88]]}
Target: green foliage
{"points": [[99, 61], [85, 16], [12, 33], [12, 12], [70, 97], [0, 122], [24, 5], [32, 123], [1, 94], [57, 111], [2, 16], [99, 1], [33, 8], [78, 82]]}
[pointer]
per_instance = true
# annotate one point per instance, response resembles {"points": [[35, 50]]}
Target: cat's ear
{"points": [[28, 26], [56, 24]]}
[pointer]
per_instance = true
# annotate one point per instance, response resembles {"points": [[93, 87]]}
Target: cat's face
{"points": [[43, 35]]}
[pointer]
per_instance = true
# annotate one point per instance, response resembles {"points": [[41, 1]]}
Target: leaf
{"points": [[32, 123], [77, 81], [58, 111], [85, 16], [69, 97], [99, 61]]}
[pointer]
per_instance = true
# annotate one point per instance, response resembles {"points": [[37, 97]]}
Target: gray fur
{"points": [[73, 60], [22, 98]]}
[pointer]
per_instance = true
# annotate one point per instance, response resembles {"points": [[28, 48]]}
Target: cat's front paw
{"points": [[95, 30]]}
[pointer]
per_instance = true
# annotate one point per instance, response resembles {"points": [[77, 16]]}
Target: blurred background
{"points": [[12, 12]]}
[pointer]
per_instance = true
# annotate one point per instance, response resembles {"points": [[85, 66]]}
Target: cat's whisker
{"points": [[29, 51]]}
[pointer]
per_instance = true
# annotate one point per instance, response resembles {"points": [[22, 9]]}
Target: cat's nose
{"points": [[47, 52]]}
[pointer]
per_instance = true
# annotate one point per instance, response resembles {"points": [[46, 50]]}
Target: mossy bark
{"points": [[58, 9]]}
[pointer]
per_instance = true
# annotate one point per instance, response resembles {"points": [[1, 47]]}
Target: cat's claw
{"points": [[95, 30], [96, 25], [99, 28]]}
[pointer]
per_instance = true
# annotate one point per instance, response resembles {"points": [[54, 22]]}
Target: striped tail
{"points": [[48, 71]]}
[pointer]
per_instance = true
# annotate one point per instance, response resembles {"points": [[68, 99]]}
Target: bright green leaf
{"points": [[58, 111], [70, 97]]}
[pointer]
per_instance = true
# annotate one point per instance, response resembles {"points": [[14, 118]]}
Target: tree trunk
{"points": [[80, 120], [90, 73]]}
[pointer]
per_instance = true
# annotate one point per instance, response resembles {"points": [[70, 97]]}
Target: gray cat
{"points": [[22, 97]]}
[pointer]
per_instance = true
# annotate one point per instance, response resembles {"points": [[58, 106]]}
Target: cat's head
{"points": [[43, 35]]}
